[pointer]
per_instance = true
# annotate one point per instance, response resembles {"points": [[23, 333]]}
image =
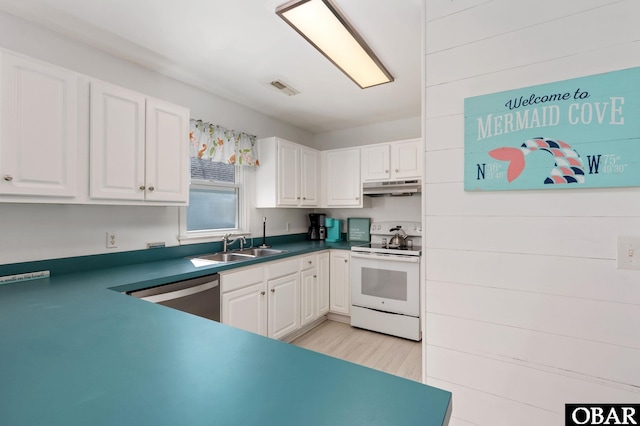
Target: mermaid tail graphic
{"points": [[569, 167]]}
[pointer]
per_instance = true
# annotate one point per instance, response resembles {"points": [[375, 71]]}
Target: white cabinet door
{"points": [[167, 152], [342, 177], [375, 163], [38, 128], [284, 305], [139, 148], [308, 296], [288, 173], [309, 171], [287, 176], [117, 143], [323, 283], [246, 308], [406, 157], [340, 282]]}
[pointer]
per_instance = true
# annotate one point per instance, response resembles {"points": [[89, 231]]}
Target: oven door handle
{"points": [[394, 258]]}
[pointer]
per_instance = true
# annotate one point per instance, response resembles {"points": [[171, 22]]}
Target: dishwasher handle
{"points": [[163, 297]]}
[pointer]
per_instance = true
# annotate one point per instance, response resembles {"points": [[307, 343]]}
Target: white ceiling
{"points": [[234, 48]]}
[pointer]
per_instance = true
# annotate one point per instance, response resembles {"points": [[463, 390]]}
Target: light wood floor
{"points": [[390, 354]]}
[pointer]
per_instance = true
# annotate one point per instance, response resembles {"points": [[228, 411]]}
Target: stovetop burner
{"points": [[383, 232]]}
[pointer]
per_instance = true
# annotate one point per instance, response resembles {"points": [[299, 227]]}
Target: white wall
{"points": [[408, 128], [525, 309], [381, 209], [34, 232]]}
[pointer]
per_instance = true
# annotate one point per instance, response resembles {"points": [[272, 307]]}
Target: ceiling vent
{"points": [[284, 88]]}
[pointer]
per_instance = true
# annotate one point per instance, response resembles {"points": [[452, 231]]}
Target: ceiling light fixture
{"points": [[327, 30]]}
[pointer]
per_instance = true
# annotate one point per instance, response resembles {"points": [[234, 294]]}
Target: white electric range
{"points": [[385, 280]]}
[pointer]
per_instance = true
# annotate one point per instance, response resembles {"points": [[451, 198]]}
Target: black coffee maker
{"points": [[317, 230]]}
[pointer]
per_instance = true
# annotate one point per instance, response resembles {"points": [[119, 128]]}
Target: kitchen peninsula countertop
{"points": [[74, 351]]}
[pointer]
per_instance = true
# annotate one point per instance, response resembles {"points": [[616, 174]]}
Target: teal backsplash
{"points": [[70, 265]]}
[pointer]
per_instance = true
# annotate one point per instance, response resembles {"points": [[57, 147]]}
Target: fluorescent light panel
{"points": [[321, 24]]}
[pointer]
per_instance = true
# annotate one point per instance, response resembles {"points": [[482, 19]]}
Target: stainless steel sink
{"points": [[225, 257], [259, 252], [234, 256]]}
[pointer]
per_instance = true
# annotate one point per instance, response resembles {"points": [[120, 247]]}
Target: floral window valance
{"points": [[216, 143]]}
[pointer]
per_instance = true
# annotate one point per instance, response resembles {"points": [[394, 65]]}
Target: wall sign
{"points": [[579, 133]]}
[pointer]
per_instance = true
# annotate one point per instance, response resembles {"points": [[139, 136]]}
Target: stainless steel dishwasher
{"points": [[198, 296]]}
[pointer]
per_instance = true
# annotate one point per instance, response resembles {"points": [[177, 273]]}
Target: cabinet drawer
{"points": [[285, 267], [308, 262], [240, 278]]}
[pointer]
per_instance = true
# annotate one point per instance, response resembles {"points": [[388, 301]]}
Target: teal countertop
{"points": [[75, 352]]}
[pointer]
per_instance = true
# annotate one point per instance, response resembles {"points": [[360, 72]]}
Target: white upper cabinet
{"points": [[392, 161], [116, 142], [138, 147], [375, 163], [288, 173], [287, 176], [406, 159], [39, 131], [341, 177], [310, 168], [167, 152]]}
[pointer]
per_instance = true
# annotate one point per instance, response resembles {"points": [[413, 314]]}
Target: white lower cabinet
{"points": [[340, 282], [246, 309], [314, 282], [276, 298], [284, 305], [244, 299]]}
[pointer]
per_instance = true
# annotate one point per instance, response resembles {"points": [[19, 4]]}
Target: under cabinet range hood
{"points": [[394, 188]]}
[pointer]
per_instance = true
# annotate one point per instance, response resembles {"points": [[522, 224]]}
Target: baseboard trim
{"points": [[339, 318], [294, 335]]}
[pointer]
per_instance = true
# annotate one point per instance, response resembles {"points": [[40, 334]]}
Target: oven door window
{"points": [[384, 283]]}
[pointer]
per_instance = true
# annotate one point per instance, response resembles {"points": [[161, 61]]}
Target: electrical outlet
{"points": [[286, 227], [629, 253], [112, 240]]}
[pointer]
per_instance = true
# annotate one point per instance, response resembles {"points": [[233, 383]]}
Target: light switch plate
{"points": [[628, 253]]}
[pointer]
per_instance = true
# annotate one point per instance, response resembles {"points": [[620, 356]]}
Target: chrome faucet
{"points": [[226, 242]]}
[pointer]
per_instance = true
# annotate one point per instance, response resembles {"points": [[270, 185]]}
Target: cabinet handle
{"points": [[304, 198], [142, 187], [315, 276], [345, 261], [298, 198], [8, 178], [397, 170], [386, 171], [310, 262], [262, 293], [151, 188], [357, 198], [273, 290]]}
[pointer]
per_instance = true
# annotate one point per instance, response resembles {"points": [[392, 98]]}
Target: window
{"points": [[215, 200], [212, 207]]}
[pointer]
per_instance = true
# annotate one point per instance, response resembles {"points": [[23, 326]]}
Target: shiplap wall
{"points": [[525, 309]]}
